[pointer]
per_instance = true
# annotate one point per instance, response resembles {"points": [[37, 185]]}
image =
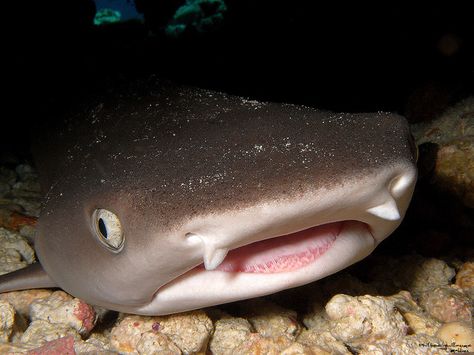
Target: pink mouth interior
{"points": [[284, 253]]}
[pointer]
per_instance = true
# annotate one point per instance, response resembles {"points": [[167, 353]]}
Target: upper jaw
{"points": [[378, 200]]}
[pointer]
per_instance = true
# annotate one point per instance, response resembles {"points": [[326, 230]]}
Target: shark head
{"points": [[187, 198]]}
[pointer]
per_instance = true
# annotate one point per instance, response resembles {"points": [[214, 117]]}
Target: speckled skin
{"points": [[191, 151], [159, 155]]}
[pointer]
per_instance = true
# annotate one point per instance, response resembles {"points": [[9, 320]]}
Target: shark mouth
{"points": [[264, 267], [281, 254]]}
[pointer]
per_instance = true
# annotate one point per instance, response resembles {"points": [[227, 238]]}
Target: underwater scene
{"points": [[237, 177]]}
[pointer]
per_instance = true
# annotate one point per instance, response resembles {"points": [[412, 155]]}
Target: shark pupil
{"points": [[102, 228]]}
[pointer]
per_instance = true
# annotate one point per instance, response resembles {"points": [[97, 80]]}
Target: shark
{"points": [[165, 198]]}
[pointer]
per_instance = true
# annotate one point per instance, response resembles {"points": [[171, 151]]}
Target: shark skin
{"points": [[165, 198]]}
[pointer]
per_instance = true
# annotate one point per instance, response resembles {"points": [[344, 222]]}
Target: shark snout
{"points": [[379, 202], [389, 202]]}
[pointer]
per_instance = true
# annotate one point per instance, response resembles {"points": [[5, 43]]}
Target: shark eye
{"points": [[108, 229]]}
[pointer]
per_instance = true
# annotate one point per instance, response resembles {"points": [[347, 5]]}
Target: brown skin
{"points": [[159, 159]]}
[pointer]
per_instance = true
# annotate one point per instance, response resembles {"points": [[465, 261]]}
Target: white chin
{"points": [[201, 288]]}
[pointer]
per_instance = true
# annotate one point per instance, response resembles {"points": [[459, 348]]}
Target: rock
{"points": [[454, 170], [297, 349], [447, 304], [420, 324], [40, 332], [425, 274], [455, 123], [15, 252], [13, 349], [316, 318], [63, 346], [156, 343], [411, 272], [61, 308], [229, 336], [26, 172], [7, 176], [30, 204], [189, 331], [271, 320], [7, 319], [236, 336], [453, 131], [21, 300], [465, 279], [362, 320], [324, 340], [458, 333], [417, 319], [261, 345], [93, 345]]}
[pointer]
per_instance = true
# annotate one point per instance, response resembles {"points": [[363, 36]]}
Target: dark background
{"points": [[415, 60]]}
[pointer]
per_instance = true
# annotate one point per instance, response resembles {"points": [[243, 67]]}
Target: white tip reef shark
{"points": [[176, 198]]}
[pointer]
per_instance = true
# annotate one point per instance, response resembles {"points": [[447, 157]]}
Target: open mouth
{"points": [[267, 266], [283, 253]]}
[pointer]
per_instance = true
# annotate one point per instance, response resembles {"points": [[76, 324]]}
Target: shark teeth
{"points": [[213, 256], [387, 210]]}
